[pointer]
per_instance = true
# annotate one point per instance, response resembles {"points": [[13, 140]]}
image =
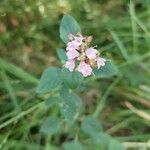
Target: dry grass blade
{"points": [[137, 144], [140, 113], [134, 97]]}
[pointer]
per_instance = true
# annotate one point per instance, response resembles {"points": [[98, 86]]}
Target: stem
{"points": [[102, 102], [48, 145], [122, 124]]}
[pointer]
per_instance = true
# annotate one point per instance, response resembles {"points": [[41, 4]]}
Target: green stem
{"points": [[48, 145], [102, 102], [122, 124]]}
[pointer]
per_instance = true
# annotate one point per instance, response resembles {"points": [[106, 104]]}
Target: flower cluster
{"points": [[81, 57]]}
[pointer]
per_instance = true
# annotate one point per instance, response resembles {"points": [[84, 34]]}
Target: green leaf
{"points": [[61, 55], [106, 71], [50, 80], [100, 147], [68, 25], [51, 126], [71, 79], [51, 101], [74, 145], [101, 139], [115, 145], [91, 126], [70, 105]]}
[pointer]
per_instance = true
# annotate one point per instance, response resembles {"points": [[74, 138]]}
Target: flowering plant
{"points": [[80, 60], [79, 53]]}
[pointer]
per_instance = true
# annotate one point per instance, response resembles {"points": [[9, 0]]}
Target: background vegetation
{"points": [[29, 36]]}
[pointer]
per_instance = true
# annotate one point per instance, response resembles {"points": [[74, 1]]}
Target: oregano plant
{"points": [[80, 62]]}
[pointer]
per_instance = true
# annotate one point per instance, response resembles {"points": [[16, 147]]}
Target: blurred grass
{"points": [[28, 39]]}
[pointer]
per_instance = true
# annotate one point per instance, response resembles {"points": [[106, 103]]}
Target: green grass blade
{"points": [[18, 72], [120, 45], [10, 90]]}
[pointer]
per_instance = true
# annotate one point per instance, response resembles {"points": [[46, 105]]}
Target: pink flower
{"points": [[70, 64], [91, 53], [71, 54], [100, 62], [79, 52], [85, 69], [72, 46], [78, 40]]}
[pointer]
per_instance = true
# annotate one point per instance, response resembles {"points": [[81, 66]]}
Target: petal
{"points": [[71, 54], [85, 69], [70, 64], [91, 53], [72, 46], [100, 62], [78, 40]]}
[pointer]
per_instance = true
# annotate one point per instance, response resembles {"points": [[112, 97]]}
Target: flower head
{"points": [[79, 52]]}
